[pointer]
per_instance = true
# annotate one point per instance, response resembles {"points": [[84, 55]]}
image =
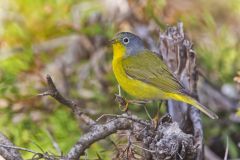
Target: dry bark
{"points": [[176, 50], [6, 152]]}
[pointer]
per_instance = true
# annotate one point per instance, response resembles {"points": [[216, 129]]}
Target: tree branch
{"points": [[9, 153], [98, 132], [164, 141], [53, 92]]}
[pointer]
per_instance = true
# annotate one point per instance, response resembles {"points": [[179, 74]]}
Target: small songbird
{"points": [[142, 74]]}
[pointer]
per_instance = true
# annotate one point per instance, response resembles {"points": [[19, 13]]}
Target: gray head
{"points": [[131, 41]]}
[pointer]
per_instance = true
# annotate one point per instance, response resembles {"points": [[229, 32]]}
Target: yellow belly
{"points": [[135, 87]]}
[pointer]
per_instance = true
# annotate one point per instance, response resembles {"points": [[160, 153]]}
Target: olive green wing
{"points": [[149, 68]]}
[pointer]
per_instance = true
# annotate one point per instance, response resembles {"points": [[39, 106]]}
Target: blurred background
{"points": [[68, 40]]}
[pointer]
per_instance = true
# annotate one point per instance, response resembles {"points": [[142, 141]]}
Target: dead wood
{"points": [[176, 50]]}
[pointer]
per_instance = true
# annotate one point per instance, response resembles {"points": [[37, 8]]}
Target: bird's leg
{"points": [[119, 90], [160, 104], [123, 102], [157, 116], [139, 102], [154, 120]]}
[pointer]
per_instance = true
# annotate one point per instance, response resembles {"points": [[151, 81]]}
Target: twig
{"points": [[39, 147], [128, 148], [105, 115], [134, 119], [18, 148], [53, 92], [226, 151], [45, 155], [151, 151]]}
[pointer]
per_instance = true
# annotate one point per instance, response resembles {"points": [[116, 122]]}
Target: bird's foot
{"points": [[155, 122], [123, 103]]}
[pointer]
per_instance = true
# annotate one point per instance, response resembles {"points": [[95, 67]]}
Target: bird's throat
{"points": [[118, 50]]}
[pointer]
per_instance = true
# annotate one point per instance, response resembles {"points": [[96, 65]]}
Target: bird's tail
{"points": [[195, 103]]}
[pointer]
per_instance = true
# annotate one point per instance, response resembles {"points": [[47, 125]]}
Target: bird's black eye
{"points": [[125, 40]]}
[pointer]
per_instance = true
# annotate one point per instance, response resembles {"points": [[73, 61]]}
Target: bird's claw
{"points": [[123, 103]]}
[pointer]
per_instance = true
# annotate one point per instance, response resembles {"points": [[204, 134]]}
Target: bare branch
{"points": [[53, 92], [130, 117], [10, 152], [36, 155], [18, 148], [158, 143], [98, 132], [179, 143]]}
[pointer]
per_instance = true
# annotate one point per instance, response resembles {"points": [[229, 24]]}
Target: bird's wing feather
{"points": [[149, 68]]}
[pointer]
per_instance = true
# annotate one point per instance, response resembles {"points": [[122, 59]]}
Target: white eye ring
{"points": [[125, 40]]}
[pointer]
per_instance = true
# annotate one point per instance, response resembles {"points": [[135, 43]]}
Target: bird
{"points": [[144, 75]]}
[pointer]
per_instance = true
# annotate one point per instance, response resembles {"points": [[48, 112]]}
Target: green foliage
{"points": [[222, 59], [10, 67], [17, 63], [28, 134]]}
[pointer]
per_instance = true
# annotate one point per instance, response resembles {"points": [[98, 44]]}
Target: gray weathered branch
{"points": [[8, 153], [177, 52], [165, 141], [97, 133], [75, 106]]}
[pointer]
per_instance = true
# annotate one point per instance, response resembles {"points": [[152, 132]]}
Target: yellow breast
{"points": [[133, 87]]}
